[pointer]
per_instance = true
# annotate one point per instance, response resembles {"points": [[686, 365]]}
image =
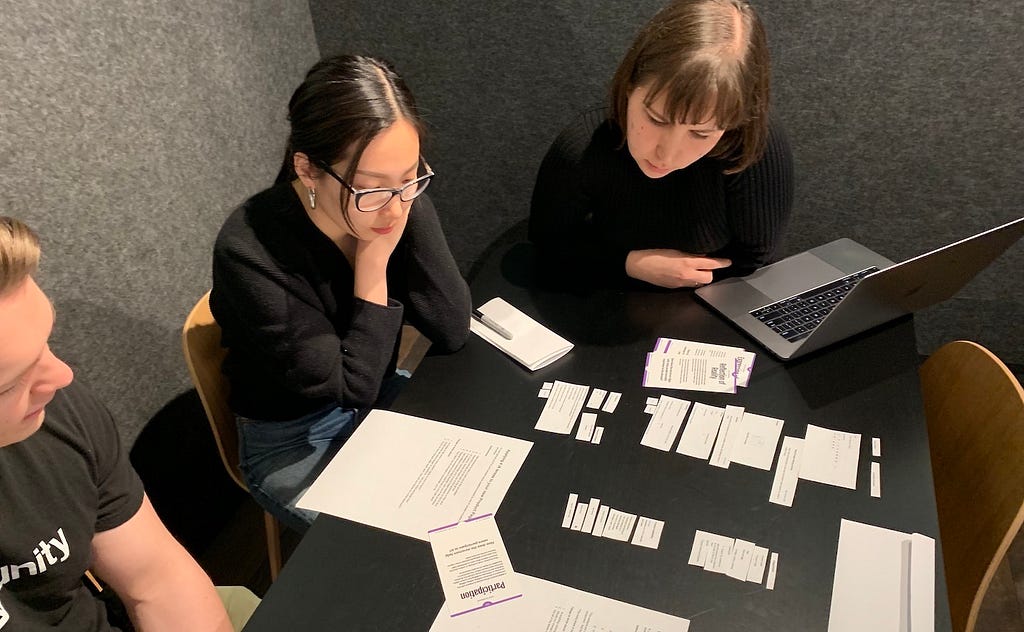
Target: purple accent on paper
{"points": [[479, 517], [647, 363], [447, 526], [487, 604]]}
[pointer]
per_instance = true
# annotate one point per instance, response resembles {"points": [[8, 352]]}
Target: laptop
{"points": [[829, 293]]}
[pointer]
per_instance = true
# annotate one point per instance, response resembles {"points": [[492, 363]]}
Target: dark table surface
{"points": [[348, 576]]}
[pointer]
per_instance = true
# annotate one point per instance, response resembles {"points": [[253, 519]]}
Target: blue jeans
{"points": [[281, 459]]}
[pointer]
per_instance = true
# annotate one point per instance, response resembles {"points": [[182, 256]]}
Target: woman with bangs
{"points": [[683, 179], [314, 277]]}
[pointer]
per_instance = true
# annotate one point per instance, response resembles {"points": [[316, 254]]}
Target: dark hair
{"points": [[342, 104], [706, 56]]}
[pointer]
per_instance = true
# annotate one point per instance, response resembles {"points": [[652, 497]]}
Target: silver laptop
{"points": [[827, 294]]}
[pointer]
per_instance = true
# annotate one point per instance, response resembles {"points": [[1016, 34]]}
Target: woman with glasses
{"points": [[681, 179], [313, 278]]}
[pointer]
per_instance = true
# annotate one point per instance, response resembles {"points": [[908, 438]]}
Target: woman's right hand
{"points": [[669, 268], [371, 262]]}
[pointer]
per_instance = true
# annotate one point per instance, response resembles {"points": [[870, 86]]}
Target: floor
{"points": [[238, 554]]}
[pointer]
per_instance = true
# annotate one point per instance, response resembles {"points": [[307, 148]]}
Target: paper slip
{"points": [[703, 542], [700, 431], [664, 426], [721, 454], [591, 515], [544, 393], [876, 447], [473, 565], [884, 580], [408, 474], [602, 518], [598, 433], [666, 370], [742, 359], [787, 472], [532, 345], [588, 421], [596, 398], [648, 532], [773, 568], [830, 457], [579, 516], [742, 556], [549, 606], [720, 555], [756, 440], [570, 510], [619, 525], [757, 565], [562, 408], [611, 402], [876, 480]]}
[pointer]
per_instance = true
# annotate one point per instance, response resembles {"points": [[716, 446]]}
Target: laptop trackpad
{"points": [[793, 275]]}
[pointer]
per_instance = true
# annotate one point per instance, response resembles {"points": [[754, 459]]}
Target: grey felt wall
{"points": [[905, 118], [128, 131]]}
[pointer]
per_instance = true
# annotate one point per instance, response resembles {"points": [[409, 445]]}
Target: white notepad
{"points": [[533, 345]]}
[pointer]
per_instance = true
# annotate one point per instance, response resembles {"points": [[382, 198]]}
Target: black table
{"points": [[348, 576]]}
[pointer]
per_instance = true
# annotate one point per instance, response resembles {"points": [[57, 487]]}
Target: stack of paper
{"points": [[531, 344], [885, 581], [697, 366], [736, 558]]}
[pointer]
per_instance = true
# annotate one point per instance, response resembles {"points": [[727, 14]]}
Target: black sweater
{"points": [[298, 340], [592, 204]]}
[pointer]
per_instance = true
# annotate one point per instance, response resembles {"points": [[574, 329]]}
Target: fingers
{"points": [[710, 263]]}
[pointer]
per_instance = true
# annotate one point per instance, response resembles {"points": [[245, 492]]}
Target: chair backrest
{"points": [[204, 355], [975, 411]]}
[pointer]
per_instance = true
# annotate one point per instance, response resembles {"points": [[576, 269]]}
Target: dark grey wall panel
{"points": [[906, 118], [128, 130]]}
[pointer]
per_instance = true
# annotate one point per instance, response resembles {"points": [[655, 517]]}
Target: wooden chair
{"points": [[975, 411], [204, 355]]}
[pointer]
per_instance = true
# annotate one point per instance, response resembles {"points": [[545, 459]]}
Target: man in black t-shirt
{"points": [[69, 499]]}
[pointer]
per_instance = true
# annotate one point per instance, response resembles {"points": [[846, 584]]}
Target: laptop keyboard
{"points": [[794, 318]]}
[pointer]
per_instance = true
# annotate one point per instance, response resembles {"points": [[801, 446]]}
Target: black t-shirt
{"points": [[58, 488]]}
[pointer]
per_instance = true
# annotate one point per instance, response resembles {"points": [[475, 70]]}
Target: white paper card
{"points": [[591, 515], [570, 509], [876, 480], [720, 455], [756, 440], [664, 426], [699, 434], [588, 421], [473, 565], [757, 565], [742, 360], [602, 518], [742, 556], [549, 606], [562, 408], [787, 472], [598, 433], [876, 447], [830, 457], [649, 410], [720, 556], [596, 398], [579, 516], [533, 345], [408, 474], [773, 567], [619, 525], [544, 393], [652, 401], [702, 544], [611, 402], [648, 532]]}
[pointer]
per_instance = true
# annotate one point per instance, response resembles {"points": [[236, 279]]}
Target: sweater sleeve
{"points": [[438, 303], [562, 223], [758, 204], [280, 319]]}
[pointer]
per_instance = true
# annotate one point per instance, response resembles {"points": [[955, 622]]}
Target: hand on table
{"points": [[669, 268]]}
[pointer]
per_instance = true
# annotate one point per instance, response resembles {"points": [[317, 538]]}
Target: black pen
{"points": [[492, 324]]}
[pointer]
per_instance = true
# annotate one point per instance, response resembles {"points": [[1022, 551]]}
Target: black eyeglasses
{"points": [[370, 200]]}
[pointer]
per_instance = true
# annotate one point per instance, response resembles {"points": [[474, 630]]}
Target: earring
{"points": [[312, 197]]}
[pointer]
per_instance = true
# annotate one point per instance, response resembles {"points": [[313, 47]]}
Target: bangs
{"points": [[706, 88]]}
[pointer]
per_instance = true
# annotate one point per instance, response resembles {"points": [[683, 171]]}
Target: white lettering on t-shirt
{"points": [[45, 554]]}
